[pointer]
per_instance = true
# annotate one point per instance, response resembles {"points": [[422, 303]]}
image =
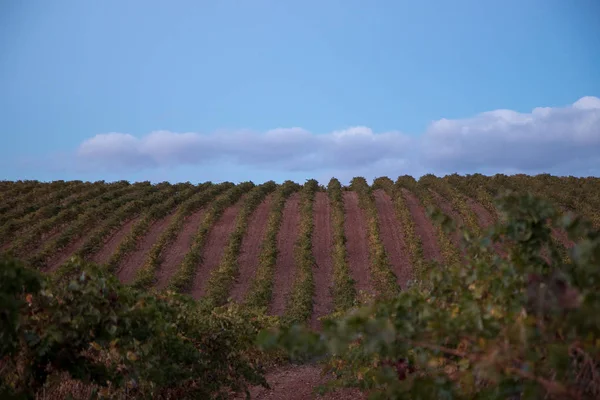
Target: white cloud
{"points": [[543, 140], [289, 149], [560, 140]]}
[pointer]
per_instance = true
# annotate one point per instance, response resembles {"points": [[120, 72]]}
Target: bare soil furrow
{"points": [[484, 218], [286, 266], [424, 227], [322, 244], [113, 242], [392, 237], [176, 252], [250, 249], [357, 243], [133, 261], [298, 382], [63, 255], [447, 209], [213, 250]]}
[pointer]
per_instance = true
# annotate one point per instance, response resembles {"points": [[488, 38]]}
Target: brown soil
{"points": [[485, 220], [111, 245], [299, 382], [484, 217], [423, 226], [63, 255], [447, 209], [213, 250], [286, 265], [133, 261], [322, 244], [392, 237], [357, 243], [562, 237], [176, 252], [250, 249]]}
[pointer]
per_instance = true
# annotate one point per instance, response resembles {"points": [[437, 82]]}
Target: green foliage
{"points": [[524, 326], [385, 280], [145, 276], [118, 339], [184, 276], [344, 291], [87, 220], [223, 277], [300, 303], [411, 239], [261, 289], [121, 215], [155, 212]]}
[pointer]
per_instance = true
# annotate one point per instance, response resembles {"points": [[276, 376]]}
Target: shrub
{"points": [[119, 339], [524, 326]]}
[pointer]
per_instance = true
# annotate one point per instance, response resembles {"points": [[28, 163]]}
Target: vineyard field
{"points": [[301, 251], [311, 257]]}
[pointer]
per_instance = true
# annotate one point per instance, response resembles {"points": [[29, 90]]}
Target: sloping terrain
{"points": [[47, 223]]}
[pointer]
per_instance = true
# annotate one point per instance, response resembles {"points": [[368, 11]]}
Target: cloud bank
{"points": [[559, 140]]}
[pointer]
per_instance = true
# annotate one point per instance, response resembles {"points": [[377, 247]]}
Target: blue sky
{"points": [[370, 83]]}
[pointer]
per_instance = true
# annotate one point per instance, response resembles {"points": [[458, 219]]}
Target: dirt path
{"points": [[213, 250], [322, 244], [357, 244], [176, 252], [423, 227], [298, 382], [113, 241], [286, 265], [132, 262], [392, 237], [250, 249]]}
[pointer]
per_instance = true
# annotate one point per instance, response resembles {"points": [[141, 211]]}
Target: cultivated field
{"points": [[299, 252]]}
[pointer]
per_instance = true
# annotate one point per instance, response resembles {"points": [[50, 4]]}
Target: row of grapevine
{"points": [[223, 278], [412, 240], [300, 303], [154, 213], [381, 270], [86, 221], [26, 241], [344, 291], [146, 275], [184, 276], [261, 289]]}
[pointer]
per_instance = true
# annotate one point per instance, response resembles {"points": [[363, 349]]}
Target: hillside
{"points": [[299, 251]]}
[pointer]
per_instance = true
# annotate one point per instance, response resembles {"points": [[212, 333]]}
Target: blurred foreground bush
{"points": [[83, 324], [521, 325]]}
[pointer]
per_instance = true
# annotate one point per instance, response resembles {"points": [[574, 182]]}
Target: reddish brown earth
{"points": [[286, 265], [423, 227], [484, 217], [447, 209], [562, 237], [392, 237], [175, 253], [62, 256], [322, 244], [132, 262], [250, 249], [213, 250], [357, 243], [113, 242], [299, 382]]}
